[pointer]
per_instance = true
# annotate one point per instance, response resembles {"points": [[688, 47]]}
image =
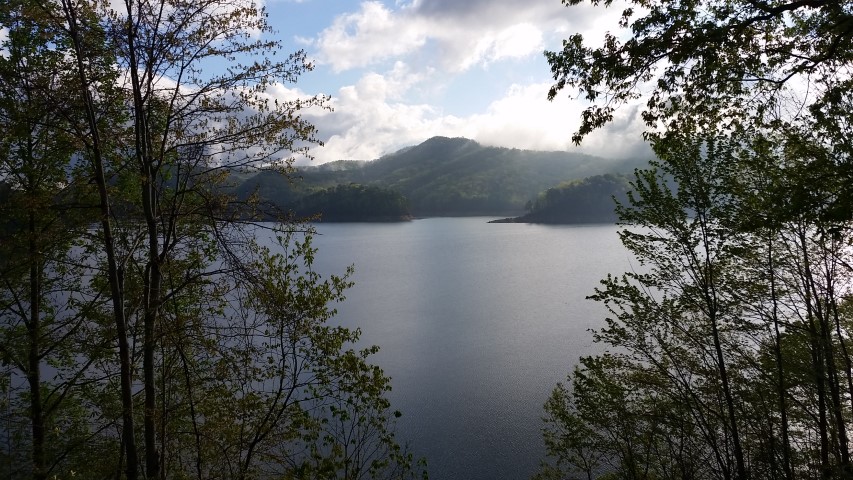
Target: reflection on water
{"points": [[476, 323]]}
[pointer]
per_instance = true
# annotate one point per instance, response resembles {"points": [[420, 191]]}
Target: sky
{"points": [[399, 72]]}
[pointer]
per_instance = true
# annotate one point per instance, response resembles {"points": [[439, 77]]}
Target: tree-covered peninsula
{"points": [[589, 200], [354, 203]]}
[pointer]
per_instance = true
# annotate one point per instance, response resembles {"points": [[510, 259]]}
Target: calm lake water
{"points": [[476, 322]]}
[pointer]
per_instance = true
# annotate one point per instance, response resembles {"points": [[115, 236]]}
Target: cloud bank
{"points": [[418, 62]]}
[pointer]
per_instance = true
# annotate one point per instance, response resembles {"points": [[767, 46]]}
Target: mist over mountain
{"points": [[442, 177]]}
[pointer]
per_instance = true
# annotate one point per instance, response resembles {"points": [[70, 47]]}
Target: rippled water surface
{"points": [[476, 324]]}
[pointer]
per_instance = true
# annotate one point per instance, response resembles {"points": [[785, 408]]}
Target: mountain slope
{"points": [[457, 176], [452, 176]]}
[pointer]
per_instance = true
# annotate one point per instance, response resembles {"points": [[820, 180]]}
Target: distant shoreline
{"points": [[525, 219]]}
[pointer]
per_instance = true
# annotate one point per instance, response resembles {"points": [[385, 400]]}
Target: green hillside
{"points": [[354, 203], [444, 177], [457, 176]]}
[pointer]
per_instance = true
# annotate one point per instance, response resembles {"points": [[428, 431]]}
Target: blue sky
{"points": [[400, 72]]}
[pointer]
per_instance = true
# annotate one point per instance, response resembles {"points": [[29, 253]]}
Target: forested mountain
{"points": [[445, 177]]}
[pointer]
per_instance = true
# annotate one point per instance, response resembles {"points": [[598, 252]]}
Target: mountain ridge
{"points": [[444, 176]]}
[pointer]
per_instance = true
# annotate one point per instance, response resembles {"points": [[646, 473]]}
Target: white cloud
{"points": [[516, 41], [392, 85], [479, 34], [426, 51], [370, 119], [4, 37], [304, 41], [372, 34], [524, 118]]}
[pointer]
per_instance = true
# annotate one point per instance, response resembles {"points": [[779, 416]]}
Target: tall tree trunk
{"points": [[834, 388], [828, 353], [711, 300], [845, 352], [781, 389], [832, 316], [33, 358], [820, 383], [730, 405], [115, 272], [817, 351], [153, 278]]}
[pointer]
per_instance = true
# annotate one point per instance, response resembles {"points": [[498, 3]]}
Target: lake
{"points": [[476, 322]]}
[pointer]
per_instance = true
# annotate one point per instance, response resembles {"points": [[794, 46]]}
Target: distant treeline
{"points": [[354, 203], [440, 177]]}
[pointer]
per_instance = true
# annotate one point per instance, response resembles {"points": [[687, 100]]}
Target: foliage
{"points": [[590, 200], [354, 202], [145, 332], [714, 64], [736, 324], [44, 326], [726, 353], [273, 407]]}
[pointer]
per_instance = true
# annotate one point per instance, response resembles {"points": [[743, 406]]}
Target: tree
{"points": [[714, 64], [354, 202], [588, 200], [227, 340], [285, 381], [178, 131], [772, 79], [726, 353], [675, 339], [41, 223]]}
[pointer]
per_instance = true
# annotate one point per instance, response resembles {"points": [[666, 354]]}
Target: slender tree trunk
{"points": [[711, 300], [115, 273], [828, 354], [820, 383], [153, 278], [817, 355], [833, 316], [834, 390], [33, 360], [844, 350], [781, 389], [730, 405]]}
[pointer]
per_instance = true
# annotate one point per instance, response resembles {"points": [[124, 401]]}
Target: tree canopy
{"points": [[713, 63], [355, 203], [149, 327], [726, 352], [589, 200]]}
